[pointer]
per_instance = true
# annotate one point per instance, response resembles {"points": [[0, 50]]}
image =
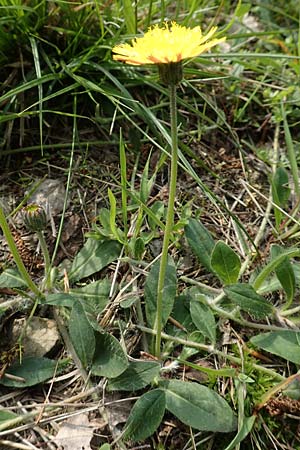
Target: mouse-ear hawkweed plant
{"points": [[166, 47]]}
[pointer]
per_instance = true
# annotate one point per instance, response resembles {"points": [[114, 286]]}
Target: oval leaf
{"points": [[199, 407], [109, 358], [285, 343], [93, 257], [146, 415], [169, 293], [11, 278], [280, 193], [285, 274], [32, 370], [226, 263], [81, 334], [286, 277], [247, 299], [280, 187], [200, 241], [181, 313], [203, 318], [137, 375]]}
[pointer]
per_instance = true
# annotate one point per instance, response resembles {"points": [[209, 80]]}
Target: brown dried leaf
{"points": [[75, 433]]}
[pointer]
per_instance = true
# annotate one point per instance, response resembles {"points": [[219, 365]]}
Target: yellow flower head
{"points": [[164, 45]]}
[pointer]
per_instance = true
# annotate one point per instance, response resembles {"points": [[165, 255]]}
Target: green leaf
{"points": [[129, 301], [6, 416], [196, 337], [158, 210], [10, 278], [129, 17], [81, 334], [272, 265], [198, 406], [8, 419], [285, 274], [226, 263], [109, 358], [181, 313], [280, 187], [104, 219], [168, 294], [245, 429], [139, 248], [93, 257], [137, 375], [105, 447], [212, 373], [247, 299], [33, 370], [285, 343], [118, 235], [146, 184], [146, 415], [96, 292], [93, 298], [292, 390], [60, 299], [203, 317], [200, 241], [280, 193]]}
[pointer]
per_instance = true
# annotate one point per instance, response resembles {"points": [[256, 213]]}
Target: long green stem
{"points": [[46, 256], [16, 256], [170, 218]]}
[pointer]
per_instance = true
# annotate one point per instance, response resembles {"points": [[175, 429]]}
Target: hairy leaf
{"points": [[285, 274], [247, 299], [81, 334], [199, 407], [11, 278], [203, 317], [93, 257], [200, 241], [31, 371], [285, 343], [225, 263], [109, 358], [137, 375], [146, 415]]}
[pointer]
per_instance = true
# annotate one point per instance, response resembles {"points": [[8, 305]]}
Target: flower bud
{"points": [[34, 217]]}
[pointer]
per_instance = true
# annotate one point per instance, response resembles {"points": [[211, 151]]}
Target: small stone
{"points": [[40, 338], [50, 195]]}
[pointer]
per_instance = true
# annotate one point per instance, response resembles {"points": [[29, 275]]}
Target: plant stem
{"points": [[210, 349], [170, 218], [46, 256], [16, 256]]}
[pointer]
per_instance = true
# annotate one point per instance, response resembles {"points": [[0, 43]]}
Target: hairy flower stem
{"points": [[169, 221], [46, 256], [15, 254]]}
